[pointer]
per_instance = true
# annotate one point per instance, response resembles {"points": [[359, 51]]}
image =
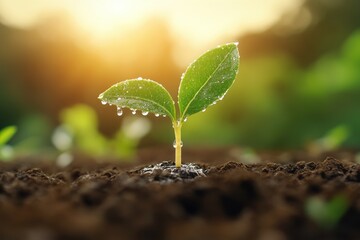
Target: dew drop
{"points": [[174, 144], [145, 113], [157, 114], [133, 112], [214, 103], [164, 115], [185, 119], [139, 78], [203, 110], [119, 111], [222, 97], [103, 102], [119, 99]]}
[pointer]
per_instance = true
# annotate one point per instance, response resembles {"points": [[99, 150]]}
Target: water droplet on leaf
{"points": [[119, 111], [203, 110], [139, 78], [157, 114], [145, 113], [133, 111], [103, 102]]}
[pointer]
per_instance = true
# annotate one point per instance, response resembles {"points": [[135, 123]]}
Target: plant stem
{"points": [[178, 143]]}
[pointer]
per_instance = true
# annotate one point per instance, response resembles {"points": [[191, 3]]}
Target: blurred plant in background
{"points": [[78, 131], [6, 152], [326, 213]]}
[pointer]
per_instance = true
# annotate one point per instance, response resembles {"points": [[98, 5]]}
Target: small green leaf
{"points": [[207, 80], [7, 133], [140, 94]]}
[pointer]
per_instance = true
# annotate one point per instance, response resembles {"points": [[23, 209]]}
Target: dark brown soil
{"points": [[232, 200]]}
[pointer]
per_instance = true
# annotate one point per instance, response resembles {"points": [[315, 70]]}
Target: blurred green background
{"points": [[298, 86]]}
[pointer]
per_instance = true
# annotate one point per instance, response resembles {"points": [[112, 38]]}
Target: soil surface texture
{"points": [[291, 195]]}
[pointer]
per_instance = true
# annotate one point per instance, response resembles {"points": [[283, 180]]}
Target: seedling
{"points": [[204, 83]]}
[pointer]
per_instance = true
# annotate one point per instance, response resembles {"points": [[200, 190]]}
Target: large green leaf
{"points": [[140, 94], [207, 80], [6, 134]]}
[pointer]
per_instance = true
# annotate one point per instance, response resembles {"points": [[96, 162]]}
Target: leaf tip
{"points": [[101, 96], [232, 43]]}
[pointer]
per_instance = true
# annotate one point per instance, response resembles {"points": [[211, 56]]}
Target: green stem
{"points": [[178, 144]]}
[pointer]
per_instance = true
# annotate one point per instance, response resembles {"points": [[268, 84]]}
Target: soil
{"points": [[215, 197]]}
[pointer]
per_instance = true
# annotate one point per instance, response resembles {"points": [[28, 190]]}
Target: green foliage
{"points": [[79, 131], [6, 152], [326, 213], [140, 94], [351, 50], [6, 134], [335, 138], [80, 123], [205, 82], [207, 79], [285, 106]]}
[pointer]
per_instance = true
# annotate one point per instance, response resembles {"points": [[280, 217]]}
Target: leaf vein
{"points": [[205, 83], [151, 101]]}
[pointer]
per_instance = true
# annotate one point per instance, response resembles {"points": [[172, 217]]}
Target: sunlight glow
{"points": [[196, 19], [195, 25], [103, 18]]}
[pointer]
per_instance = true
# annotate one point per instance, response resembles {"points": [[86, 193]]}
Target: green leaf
{"points": [[7, 133], [140, 94], [207, 80]]}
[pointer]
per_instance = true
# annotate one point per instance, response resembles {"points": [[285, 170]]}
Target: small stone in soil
{"points": [[167, 172]]}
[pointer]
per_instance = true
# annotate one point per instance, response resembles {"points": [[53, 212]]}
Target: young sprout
{"points": [[204, 83]]}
